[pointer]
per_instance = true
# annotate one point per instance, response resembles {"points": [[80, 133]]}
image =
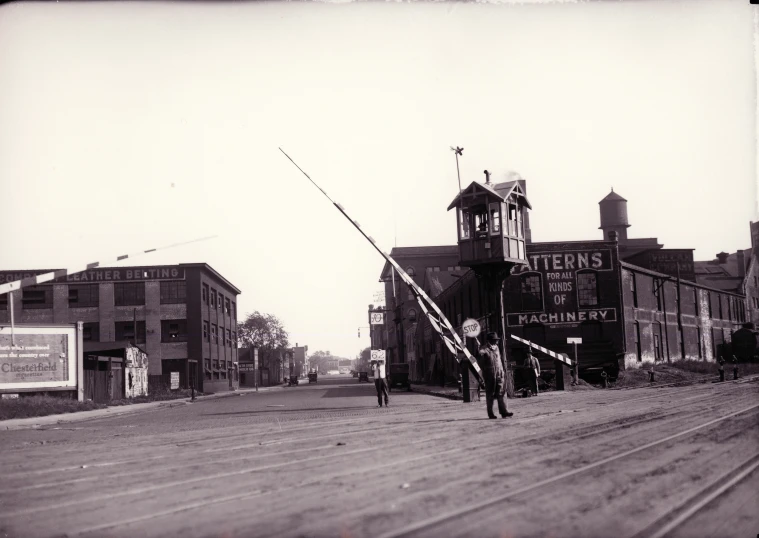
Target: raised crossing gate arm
{"points": [[559, 356], [52, 275], [438, 321]]}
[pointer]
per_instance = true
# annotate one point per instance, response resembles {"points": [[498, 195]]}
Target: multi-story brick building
{"points": [[626, 315], [184, 316]]}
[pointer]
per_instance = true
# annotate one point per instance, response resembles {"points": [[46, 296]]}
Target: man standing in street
{"points": [[533, 372], [380, 382], [494, 375]]}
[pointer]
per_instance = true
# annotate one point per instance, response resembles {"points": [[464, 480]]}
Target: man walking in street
{"points": [[380, 382], [533, 372], [494, 375]]}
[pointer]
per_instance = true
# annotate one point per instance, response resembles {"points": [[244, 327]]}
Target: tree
{"points": [[264, 331], [363, 361]]}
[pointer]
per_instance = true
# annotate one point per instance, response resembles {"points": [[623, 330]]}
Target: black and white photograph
{"points": [[379, 269]]}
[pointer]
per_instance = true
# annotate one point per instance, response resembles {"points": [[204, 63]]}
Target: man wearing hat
{"points": [[492, 371], [533, 371]]}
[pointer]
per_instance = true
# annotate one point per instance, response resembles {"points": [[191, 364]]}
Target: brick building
{"points": [[184, 316], [627, 314]]}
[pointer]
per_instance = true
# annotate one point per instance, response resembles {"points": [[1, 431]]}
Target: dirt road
{"points": [[325, 461]]}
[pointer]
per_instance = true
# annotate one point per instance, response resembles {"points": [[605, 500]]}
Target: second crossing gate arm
{"points": [[560, 356]]}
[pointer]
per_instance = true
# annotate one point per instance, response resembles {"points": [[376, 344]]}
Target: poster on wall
{"points": [[37, 357]]}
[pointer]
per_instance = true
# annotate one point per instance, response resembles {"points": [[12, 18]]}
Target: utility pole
{"points": [[680, 316]]}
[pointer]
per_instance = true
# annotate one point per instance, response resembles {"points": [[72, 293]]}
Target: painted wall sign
{"points": [[567, 261], [558, 273], [559, 318], [104, 275], [41, 357]]}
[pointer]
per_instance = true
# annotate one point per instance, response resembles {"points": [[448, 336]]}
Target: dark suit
{"points": [[494, 376]]}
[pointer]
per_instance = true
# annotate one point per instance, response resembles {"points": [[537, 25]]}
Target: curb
{"points": [[33, 423]]}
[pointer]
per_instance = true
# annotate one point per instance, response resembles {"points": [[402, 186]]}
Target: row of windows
{"points": [[532, 290], [219, 335], [736, 307], [660, 341], [172, 330], [219, 369], [217, 301], [124, 294]]}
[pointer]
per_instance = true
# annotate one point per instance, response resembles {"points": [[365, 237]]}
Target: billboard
{"points": [[42, 358], [162, 272], [563, 283]]}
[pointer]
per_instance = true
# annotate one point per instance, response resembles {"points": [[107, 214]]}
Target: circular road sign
{"points": [[471, 328]]}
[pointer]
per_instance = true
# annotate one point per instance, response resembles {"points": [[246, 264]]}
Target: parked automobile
{"points": [[398, 376], [334, 372], [363, 376]]}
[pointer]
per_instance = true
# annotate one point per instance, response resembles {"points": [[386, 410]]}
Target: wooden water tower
{"points": [[491, 237]]}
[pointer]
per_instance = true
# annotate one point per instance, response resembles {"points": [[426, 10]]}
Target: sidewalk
{"points": [[117, 410], [452, 393]]}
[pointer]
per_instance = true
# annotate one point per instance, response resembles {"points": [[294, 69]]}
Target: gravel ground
{"points": [[323, 460]]}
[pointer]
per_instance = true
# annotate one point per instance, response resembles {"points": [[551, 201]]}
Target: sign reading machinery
{"points": [[40, 357]]}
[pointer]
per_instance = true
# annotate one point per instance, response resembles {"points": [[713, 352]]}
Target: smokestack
{"points": [[487, 179], [741, 264]]}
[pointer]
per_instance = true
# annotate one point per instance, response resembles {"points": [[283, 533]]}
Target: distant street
{"points": [[323, 461]]}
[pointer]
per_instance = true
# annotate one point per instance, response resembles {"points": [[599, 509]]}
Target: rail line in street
{"points": [[677, 515], [579, 433], [473, 508]]}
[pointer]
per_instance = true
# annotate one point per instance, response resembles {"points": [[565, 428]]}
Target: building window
{"points": [[532, 293], [4, 301], [35, 297], [719, 301], [695, 301], [205, 331], [634, 289], [173, 330], [227, 306], [214, 337], [219, 301], [234, 311], [657, 341], [129, 293], [234, 338], [84, 295], [204, 293], [587, 288], [91, 332], [698, 337], [229, 338], [173, 292], [213, 298], [636, 334], [125, 331], [658, 292], [709, 303]]}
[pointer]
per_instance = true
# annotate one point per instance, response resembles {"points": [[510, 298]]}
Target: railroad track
{"points": [[470, 509]]}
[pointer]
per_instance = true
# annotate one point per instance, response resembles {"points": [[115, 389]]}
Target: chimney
{"points": [[613, 236], [741, 264], [722, 258], [487, 179]]}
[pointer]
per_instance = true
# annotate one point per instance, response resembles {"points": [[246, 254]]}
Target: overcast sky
{"points": [[129, 126]]}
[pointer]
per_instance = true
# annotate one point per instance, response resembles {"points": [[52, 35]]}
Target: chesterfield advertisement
{"points": [[39, 357]]}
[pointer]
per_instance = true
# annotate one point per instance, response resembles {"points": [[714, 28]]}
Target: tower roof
{"points": [[613, 197]]}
